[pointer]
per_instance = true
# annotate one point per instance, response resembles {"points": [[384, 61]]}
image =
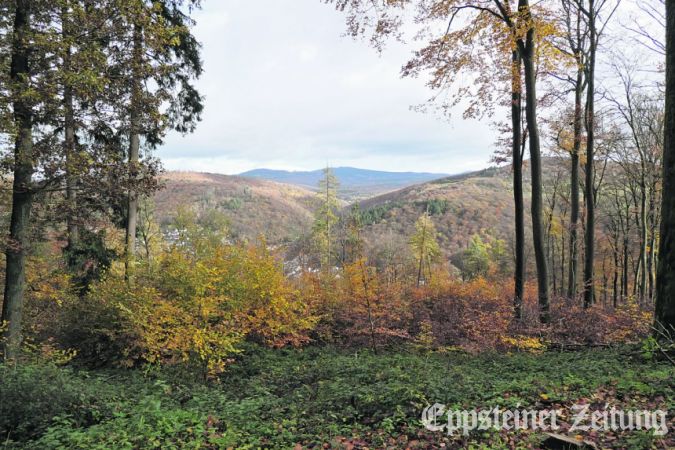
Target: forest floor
{"points": [[321, 397]]}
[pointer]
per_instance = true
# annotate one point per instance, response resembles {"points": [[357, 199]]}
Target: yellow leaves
{"points": [[46, 351], [197, 308], [525, 344], [425, 338]]}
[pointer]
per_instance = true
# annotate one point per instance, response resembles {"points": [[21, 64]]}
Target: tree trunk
{"points": [[651, 257], [134, 148], [519, 203], [615, 281], [574, 189], [527, 54], [643, 239], [17, 245], [589, 258], [422, 247], [624, 273], [665, 280]]}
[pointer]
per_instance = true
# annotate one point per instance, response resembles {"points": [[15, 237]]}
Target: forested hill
{"points": [[252, 207], [460, 206], [354, 183]]}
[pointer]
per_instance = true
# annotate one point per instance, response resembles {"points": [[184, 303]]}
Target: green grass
{"points": [[279, 398]]}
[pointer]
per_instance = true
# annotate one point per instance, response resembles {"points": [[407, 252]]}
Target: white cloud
{"points": [[285, 89]]}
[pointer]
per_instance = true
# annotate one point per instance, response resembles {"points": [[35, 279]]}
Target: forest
{"points": [[152, 309]]}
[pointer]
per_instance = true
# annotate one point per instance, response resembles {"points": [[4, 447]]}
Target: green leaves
{"points": [[279, 398]]}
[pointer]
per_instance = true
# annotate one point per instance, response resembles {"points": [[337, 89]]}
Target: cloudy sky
{"points": [[285, 89]]}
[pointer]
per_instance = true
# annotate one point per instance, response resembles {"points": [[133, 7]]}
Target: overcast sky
{"points": [[285, 89]]}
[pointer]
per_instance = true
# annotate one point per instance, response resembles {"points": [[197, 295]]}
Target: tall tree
{"points": [[157, 61], [517, 148], [575, 40], [527, 48], [424, 244], [69, 123], [665, 281], [589, 235], [326, 218], [501, 27], [22, 189], [135, 110], [596, 26]]}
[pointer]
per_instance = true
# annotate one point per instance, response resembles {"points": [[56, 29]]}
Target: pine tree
{"points": [[326, 218], [424, 244]]}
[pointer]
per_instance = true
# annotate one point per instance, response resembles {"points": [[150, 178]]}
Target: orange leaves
{"points": [[478, 315], [359, 307]]}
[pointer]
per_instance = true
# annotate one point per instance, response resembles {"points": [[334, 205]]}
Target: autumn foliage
{"points": [[362, 307], [190, 306], [199, 299]]}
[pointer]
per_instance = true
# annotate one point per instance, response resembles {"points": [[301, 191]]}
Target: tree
{"points": [[665, 281], [84, 63], [505, 30], [596, 26], [22, 189], [326, 218], [156, 62], [352, 239], [517, 155], [69, 123], [148, 229], [424, 244], [475, 259], [575, 45]]}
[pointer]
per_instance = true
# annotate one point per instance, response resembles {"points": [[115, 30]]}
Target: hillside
{"points": [[460, 206], [281, 212], [355, 184]]}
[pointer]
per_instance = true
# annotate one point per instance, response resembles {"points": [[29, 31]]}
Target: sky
{"points": [[285, 89]]}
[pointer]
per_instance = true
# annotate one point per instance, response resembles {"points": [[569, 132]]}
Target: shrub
{"points": [[193, 307], [32, 395]]}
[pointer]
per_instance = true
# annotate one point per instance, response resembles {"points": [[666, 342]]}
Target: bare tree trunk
{"points": [[562, 265], [615, 281], [550, 239], [589, 259], [624, 278], [519, 203], [22, 197], [527, 52], [605, 281], [651, 257], [574, 189], [643, 240], [422, 248], [665, 280]]}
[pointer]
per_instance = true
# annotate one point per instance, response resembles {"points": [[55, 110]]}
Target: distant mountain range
{"points": [[354, 183]]}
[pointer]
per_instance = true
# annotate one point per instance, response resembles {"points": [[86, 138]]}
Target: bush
{"points": [[31, 396], [194, 306]]}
